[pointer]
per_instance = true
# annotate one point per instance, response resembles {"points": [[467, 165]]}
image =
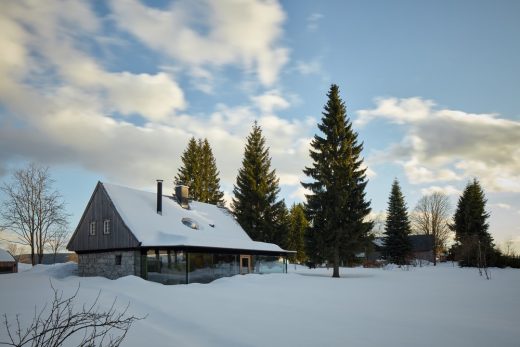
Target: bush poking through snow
{"points": [[89, 326]]}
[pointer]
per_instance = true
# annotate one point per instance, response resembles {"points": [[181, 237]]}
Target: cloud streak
{"points": [[443, 145]]}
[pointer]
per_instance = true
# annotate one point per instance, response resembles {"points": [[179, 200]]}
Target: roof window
{"points": [[190, 223]]}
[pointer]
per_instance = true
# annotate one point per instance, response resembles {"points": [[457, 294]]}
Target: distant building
{"points": [[166, 239], [8, 263]]}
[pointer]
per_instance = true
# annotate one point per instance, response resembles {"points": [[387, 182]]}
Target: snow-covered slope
{"points": [[429, 306], [216, 228]]}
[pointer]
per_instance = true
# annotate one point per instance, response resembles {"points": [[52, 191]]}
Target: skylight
{"points": [[190, 223]]}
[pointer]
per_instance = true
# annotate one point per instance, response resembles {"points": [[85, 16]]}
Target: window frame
{"points": [[92, 228], [106, 227], [118, 259]]}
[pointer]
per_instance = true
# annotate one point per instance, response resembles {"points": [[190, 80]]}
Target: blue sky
{"points": [[113, 90]]}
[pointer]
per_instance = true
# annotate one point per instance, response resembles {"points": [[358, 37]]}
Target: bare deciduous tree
{"points": [[13, 249], [32, 209], [58, 240], [431, 216], [62, 323]]}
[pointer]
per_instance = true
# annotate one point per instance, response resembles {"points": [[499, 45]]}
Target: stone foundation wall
{"points": [[104, 264]]}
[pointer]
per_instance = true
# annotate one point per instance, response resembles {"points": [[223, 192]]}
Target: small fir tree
{"points": [[397, 248], [297, 228], [474, 245], [337, 208], [255, 203]]}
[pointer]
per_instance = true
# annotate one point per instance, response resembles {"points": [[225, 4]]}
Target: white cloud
{"points": [[309, 67], [447, 190], [502, 206], [43, 49], [313, 21], [270, 101], [399, 111], [450, 145], [300, 193], [233, 32]]}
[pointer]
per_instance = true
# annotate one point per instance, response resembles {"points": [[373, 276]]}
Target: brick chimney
{"points": [[182, 193]]}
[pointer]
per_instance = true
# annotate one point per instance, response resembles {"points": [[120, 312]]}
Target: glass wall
{"points": [[206, 267], [179, 267], [266, 264], [166, 266]]}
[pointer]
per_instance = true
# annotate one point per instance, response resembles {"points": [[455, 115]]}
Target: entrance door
{"points": [[245, 264]]}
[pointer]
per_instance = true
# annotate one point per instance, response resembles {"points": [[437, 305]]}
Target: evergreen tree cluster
{"points": [[255, 204], [337, 207], [397, 246], [298, 225], [474, 245], [199, 172]]}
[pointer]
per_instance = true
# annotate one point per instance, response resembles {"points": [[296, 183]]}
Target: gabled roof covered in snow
{"points": [[5, 256], [214, 226]]}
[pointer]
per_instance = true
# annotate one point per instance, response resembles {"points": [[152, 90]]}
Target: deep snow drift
{"points": [[428, 306]]}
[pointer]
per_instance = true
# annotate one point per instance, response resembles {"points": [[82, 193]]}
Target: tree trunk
{"points": [[335, 272], [434, 255], [33, 258], [40, 257]]}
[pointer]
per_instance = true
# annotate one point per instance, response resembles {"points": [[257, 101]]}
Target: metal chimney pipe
{"points": [[159, 196]]}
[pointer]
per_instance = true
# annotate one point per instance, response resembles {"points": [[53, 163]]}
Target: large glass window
{"points": [[265, 264], [225, 265], [200, 268], [166, 266], [206, 267]]}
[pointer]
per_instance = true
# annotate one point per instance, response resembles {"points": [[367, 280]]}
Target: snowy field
{"points": [[442, 306]]}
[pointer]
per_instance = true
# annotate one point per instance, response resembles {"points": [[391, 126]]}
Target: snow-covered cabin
{"points": [[165, 238], [8, 263]]}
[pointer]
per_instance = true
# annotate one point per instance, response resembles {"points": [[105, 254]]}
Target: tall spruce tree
{"points": [[211, 192], [255, 203], [199, 172], [397, 248], [337, 208], [188, 173], [297, 229], [474, 245]]}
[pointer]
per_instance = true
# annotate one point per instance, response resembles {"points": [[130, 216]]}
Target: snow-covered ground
{"points": [[428, 306]]}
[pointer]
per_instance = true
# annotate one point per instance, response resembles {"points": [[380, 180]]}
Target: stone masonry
{"points": [[104, 264]]}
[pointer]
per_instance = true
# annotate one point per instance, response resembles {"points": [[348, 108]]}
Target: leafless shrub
{"points": [[62, 323]]}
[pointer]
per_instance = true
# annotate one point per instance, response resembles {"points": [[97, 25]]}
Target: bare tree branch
{"points": [[61, 323]]}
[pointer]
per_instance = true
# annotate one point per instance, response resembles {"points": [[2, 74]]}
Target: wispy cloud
{"points": [[313, 21], [246, 34], [450, 145], [447, 190]]}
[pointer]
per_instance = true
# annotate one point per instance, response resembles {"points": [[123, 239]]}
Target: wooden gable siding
{"points": [[99, 209]]}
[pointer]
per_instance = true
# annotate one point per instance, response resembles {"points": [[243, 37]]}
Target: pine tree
{"points": [[199, 172], [474, 245], [211, 192], [255, 204], [337, 207], [397, 228], [188, 173], [297, 229]]}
